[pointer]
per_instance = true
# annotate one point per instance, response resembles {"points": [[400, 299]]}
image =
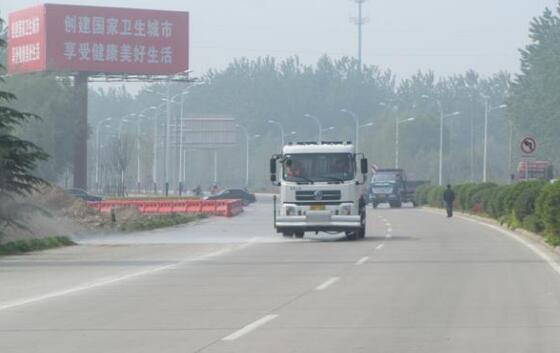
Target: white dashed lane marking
{"points": [[362, 260], [327, 283], [251, 327]]}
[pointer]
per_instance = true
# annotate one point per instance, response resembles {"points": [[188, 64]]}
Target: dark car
{"points": [[234, 194], [82, 194]]}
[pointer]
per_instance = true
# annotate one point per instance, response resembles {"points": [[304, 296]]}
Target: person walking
{"points": [[449, 198]]}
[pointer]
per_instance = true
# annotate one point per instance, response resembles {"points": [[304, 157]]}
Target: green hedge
{"points": [[24, 246], [533, 205]]}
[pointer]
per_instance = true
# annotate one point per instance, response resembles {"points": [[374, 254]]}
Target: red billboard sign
{"points": [[98, 40], [26, 40]]}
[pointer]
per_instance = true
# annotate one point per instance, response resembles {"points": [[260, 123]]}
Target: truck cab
{"points": [[321, 189], [389, 186]]}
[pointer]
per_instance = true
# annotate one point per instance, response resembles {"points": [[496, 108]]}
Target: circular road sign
{"points": [[528, 145]]}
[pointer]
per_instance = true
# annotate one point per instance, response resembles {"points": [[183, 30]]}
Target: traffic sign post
{"points": [[528, 147]]}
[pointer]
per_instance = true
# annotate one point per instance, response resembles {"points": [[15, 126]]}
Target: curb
{"points": [[536, 238]]}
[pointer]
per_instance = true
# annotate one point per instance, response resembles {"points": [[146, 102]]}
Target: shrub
{"points": [[421, 194], [532, 223], [497, 204], [548, 211], [435, 196], [524, 203]]}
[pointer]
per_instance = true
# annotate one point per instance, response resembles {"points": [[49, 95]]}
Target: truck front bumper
{"points": [[318, 223]]}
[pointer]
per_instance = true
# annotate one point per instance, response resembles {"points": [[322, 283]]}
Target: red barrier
{"points": [[180, 207], [150, 207], [165, 207], [235, 207], [194, 206], [208, 207], [224, 208]]}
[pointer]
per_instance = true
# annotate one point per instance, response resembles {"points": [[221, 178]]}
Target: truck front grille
{"points": [[318, 195]]}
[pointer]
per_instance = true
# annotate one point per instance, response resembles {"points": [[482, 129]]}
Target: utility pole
{"points": [[360, 21]]}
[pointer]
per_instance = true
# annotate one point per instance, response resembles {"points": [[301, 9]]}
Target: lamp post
{"points": [[357, 126], [397, 124], [138, 159], [442, 118], [98, 151], [247, 140], [487, 110], [167, 101], [319, 126]]}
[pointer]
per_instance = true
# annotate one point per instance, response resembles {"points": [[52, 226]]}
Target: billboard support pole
{"points": [[80, 148]]}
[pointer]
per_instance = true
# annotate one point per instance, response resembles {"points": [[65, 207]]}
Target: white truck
{"points": [[321, 189]]}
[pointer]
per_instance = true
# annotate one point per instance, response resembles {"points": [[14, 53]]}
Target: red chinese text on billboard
{"points": [[115, 40], [26, 40]]}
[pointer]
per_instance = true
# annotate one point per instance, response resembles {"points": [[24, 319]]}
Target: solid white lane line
{"points": [[108, 281], [251, 327], [328, 283], [362, 261], [379, 247], [550, 261]]}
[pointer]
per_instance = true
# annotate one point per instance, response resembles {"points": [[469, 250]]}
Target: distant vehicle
{"points": [[82, 194], [391, 186], [234, 194], [320, 189]]}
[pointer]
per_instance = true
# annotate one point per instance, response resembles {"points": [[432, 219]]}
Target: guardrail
{"points": [[223, 208]]}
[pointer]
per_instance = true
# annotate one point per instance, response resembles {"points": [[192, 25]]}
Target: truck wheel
{"points": [[287, 235], [352, 236], [300, 235]]}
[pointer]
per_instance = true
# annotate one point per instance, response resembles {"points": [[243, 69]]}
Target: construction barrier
{"points": [[223, 208]]}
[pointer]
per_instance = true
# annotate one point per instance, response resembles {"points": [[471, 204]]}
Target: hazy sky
{"points": [[448, 36]]}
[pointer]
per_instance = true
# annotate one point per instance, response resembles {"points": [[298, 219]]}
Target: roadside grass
{"points": [[23, 246], [159, 221]]}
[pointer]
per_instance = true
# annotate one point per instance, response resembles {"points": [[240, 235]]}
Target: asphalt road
{"points": [[418, 283]]}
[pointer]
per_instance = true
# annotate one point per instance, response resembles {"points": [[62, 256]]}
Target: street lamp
{"points": [[356, 124], [319, 126], [487, 110], [442, 118], [247, 139], [397, 123], [138, 159], [330, 128], [281, 127], [167, 100], [97, 148]]}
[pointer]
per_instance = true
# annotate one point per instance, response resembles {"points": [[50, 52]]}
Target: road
{"points": [[418, 283]]}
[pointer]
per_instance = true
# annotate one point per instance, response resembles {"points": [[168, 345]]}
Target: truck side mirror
{"points": [[273, 170], [364, 166]]}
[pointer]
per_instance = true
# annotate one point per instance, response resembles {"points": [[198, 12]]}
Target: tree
{"points": [[535, 94], [18, 159]]}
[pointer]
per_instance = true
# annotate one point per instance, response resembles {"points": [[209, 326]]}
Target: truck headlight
{"points": [[346, 210]]}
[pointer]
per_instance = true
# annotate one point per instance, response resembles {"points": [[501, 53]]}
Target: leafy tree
{"points": [[535, 96], [18, 159]]}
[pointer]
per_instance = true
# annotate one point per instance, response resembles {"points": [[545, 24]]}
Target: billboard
{"points": [[68, 38], [209, 131]]}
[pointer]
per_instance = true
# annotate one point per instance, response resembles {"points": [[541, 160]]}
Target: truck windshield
{"points": [[385, 176], [319, 167]]}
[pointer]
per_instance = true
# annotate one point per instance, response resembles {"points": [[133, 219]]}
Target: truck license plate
{"points": [[317, 207]]}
